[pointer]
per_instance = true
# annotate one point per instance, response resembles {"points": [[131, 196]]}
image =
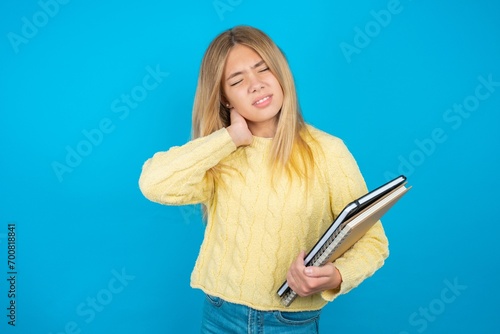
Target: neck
{"points": [[265, 130]]}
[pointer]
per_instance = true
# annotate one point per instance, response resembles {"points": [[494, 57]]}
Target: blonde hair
{"points": [[290, 151]]}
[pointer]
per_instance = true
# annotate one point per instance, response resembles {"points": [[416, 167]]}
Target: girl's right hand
{"points": [[238, 130]]}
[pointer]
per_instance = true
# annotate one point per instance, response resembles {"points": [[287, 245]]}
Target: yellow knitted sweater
{"points": [[255, 227]]}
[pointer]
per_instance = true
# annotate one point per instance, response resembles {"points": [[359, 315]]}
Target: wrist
{"points": [[337, 281], [234, 135], [240, 137]]}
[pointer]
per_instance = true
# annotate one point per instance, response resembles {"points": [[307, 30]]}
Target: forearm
{"points": [[177, 176], [361, 261]]}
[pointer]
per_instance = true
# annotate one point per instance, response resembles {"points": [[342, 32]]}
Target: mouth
{"points": [[263, 101]]}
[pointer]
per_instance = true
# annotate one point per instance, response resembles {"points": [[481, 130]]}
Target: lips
{"points": [[263, 101]]}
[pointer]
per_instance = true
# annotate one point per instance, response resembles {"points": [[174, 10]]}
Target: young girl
{"points": [[269, 184]]}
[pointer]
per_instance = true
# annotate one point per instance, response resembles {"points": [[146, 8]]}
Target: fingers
{"points": [[295, 273], [238, 129], [296, 277], [311, 271], [324, 271], [306, 281], [234, 116]]}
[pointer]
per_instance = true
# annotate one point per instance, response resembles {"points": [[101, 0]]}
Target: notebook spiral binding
{"points": [[318, 260]]}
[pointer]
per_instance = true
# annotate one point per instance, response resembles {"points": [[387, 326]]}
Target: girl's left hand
{"points": [[306, 281]]}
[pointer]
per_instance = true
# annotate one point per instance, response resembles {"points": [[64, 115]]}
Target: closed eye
{"points": [[234, 84], [264, 69]]}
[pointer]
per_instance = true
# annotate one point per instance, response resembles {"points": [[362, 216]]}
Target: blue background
{"points": [[94, 256]]}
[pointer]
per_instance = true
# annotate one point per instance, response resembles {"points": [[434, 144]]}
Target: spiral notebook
{"points": [[350, 225]]}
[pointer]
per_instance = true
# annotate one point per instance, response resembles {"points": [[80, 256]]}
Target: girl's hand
{"points": [[238, 130], [306, 281]]}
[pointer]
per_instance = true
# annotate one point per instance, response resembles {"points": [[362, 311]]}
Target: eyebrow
{"points": [[260, 63]]}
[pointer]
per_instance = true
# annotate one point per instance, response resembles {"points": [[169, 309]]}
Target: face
{"points": [[252, 90]]}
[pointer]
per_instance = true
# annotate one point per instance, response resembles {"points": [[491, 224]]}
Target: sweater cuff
{"points": [[347, 278]]}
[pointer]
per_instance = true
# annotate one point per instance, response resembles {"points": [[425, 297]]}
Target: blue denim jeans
{"points": [[220, 316]]}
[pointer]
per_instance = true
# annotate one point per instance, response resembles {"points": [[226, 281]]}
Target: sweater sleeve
{"points": [[369, 253], [178, 176]]}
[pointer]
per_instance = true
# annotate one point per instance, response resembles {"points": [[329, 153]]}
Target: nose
{"points": [[255, 84]]}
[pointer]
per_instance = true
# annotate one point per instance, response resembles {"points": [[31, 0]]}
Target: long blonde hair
{"points": [[290, 151]]}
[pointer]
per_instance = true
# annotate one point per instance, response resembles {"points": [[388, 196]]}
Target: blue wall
{"points": [[90, 89]]}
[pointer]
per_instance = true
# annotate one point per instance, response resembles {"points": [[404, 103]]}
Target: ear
{"points": [[225, 102]]}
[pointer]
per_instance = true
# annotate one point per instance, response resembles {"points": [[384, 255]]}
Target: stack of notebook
{"points": [[350, 225]]}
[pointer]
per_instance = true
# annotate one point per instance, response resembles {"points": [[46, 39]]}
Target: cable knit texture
{"points": [[257, 226]]}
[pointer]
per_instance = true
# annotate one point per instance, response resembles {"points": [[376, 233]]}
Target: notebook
{"points": [[350, 225]]}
